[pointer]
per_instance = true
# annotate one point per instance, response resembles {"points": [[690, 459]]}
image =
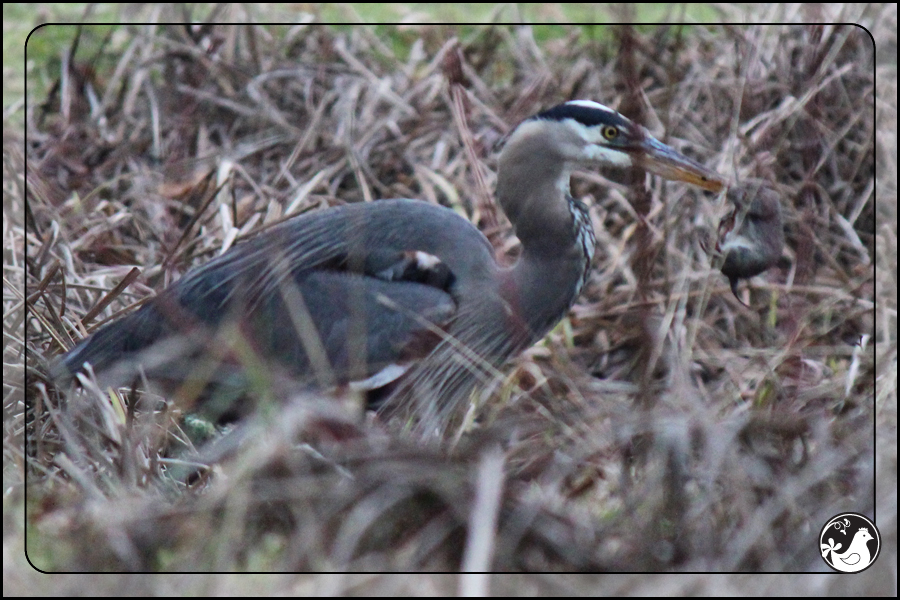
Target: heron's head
{"points": [[588, 133]]}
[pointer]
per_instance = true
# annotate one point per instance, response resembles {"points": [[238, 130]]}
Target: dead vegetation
{"points": [[663, 426]]}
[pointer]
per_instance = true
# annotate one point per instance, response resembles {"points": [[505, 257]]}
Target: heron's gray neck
{"points": [[555, 231]]}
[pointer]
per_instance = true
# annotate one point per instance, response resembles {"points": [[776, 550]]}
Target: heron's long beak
{"points": [[659, 159]]}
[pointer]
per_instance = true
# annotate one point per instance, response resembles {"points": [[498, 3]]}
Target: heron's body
{"points": [[397, 292]]}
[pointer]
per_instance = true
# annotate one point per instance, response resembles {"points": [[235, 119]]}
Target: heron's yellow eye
{"points": [[610, 132]]}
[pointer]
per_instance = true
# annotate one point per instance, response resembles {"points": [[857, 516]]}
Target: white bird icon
{"points": [[856, 554]]}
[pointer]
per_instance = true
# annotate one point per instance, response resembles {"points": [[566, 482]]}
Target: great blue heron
{"points": [[399, 295]]}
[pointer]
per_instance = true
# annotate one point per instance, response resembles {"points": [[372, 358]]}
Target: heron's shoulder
{"points": [[352, 236], [412, 224]]}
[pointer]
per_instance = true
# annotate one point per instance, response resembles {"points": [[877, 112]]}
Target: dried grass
{"points": [[661, 427]]}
